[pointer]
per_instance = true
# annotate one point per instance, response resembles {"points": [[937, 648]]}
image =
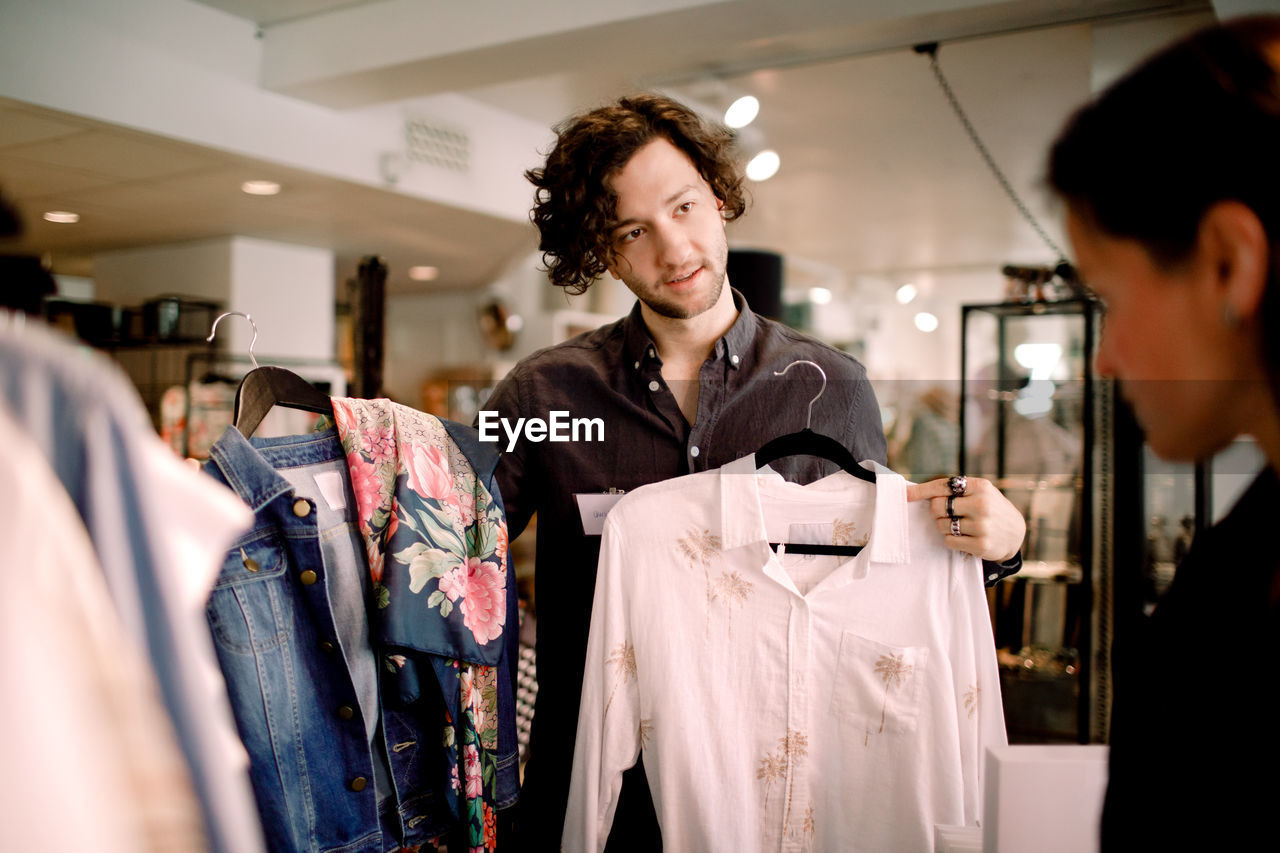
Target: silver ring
{"points": [[951, 506], [957, 485], [955, 526]]}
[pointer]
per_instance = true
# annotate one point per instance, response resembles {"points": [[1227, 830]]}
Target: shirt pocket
{"points": [[245, 611], [877, 685]]}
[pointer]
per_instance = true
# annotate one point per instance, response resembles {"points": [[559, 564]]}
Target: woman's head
{"points": [[1171, 179], [575, 207]]}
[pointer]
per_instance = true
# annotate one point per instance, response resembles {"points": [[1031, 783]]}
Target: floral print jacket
{"points": [[444, 605]]}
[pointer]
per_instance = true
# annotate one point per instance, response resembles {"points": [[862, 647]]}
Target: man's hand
{"points": [[990, 525]]}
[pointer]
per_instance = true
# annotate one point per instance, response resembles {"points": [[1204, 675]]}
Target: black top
{"points": [[614, 374], [1195, 736]]}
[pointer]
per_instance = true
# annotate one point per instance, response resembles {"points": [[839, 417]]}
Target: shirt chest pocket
{"points": [[877, 685], [246, 611]]}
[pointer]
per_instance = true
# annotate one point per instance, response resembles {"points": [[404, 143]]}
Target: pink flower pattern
{"points": [[471, 770], [366, 483], [407, 473]]}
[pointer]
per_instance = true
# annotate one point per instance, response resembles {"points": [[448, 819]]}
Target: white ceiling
{"points": [[878, 182]]}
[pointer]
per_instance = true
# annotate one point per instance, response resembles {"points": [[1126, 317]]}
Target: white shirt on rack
{"points": [[784, 701]]}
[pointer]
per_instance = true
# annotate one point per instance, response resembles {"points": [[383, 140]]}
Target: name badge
{"points": [[593, 508]]}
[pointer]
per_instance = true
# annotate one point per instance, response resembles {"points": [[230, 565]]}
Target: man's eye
{"points": [[630, 236], [686, 207]]}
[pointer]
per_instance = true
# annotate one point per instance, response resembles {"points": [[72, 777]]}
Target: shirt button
{"points": [[694, 451], [637, 365], [734, 359], [359, 783], [308, 577], [345, 712], [654, 386], [651, 353], [992, 576], [301, 508]]}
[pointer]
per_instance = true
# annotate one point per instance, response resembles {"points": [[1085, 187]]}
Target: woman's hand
{"points": [[991, 527]]}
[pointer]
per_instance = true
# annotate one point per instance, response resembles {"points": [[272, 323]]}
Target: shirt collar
{"points": [[732, 346], [742, 520]]}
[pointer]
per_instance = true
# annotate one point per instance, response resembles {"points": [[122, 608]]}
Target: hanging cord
{"points": [[931, 48]]}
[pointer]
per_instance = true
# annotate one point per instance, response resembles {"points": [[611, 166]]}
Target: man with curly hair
{"points": [[642, 190]]}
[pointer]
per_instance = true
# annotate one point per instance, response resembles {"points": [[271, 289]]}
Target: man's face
{"points": [[668, 242]]}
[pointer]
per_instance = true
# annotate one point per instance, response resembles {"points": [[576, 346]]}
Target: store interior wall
{"points": [[182, 70]]}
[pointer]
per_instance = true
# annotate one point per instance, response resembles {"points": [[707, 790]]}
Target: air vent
{"points": [[437, 145]]}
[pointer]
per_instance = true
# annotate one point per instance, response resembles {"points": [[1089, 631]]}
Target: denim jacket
{"points": [[331, 772]]}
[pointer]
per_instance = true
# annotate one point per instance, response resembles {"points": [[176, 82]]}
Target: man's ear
{"points": [[1233, 240]]}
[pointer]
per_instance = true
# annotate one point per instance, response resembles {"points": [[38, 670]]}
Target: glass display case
{"points": [[1036, 422]]}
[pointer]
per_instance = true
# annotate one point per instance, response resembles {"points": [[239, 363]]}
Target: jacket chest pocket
{"points": [[246, 611], [878, 686]]}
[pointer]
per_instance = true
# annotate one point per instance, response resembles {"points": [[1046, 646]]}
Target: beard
{"points": [[675, 310]]}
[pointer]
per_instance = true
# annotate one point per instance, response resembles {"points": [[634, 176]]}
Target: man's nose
{"points": [[674, 245]]}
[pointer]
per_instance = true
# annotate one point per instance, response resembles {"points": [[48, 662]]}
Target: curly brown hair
{"points": [[574, 208]]}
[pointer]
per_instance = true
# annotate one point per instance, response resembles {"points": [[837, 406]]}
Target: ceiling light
{"points": [[906, 293], [764, 165], [742, 111], [64, 216], [926, 322], [260, 187], [423, 273], [819, 295]]}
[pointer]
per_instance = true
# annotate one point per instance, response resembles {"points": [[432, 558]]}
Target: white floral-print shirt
{"points": [[784, 701]]}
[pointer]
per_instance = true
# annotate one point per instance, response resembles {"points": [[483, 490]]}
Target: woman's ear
{"points": [[1234, 242]]}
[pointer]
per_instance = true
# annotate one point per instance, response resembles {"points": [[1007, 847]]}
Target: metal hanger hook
{"points": [[213, 331], [808, 419]]}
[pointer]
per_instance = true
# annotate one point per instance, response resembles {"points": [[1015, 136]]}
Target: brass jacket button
{"points": [[308, 577], [358, 783], [345, 712], [301, 508]]}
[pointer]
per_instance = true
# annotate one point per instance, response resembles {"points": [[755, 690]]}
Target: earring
{"points": [[1230, 318]]}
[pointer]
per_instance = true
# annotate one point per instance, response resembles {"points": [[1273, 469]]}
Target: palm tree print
{"points": [[792, 750], [771, 769], [971, 700], [624, 660], [733, 588], [892, 669], [809, 824], [841, 532], [701, 547], [795, 746]]}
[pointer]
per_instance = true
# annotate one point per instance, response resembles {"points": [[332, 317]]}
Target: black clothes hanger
{"points": [[264, 388], [806, 442]]}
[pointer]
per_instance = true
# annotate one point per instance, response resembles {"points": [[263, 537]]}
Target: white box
{"points": [[1046, 799]]}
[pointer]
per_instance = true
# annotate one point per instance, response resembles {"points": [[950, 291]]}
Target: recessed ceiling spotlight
{"points": [[260, 187], [764, 165], [906, 293], [926, 322], [819, 296], [742, 111], [64, 216], [423, 273]]}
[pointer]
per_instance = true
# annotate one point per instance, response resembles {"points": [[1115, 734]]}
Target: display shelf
{"points": [[1032, 424]]}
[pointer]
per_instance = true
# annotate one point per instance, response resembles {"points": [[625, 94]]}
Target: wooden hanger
{"points": [[264, 388]]}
